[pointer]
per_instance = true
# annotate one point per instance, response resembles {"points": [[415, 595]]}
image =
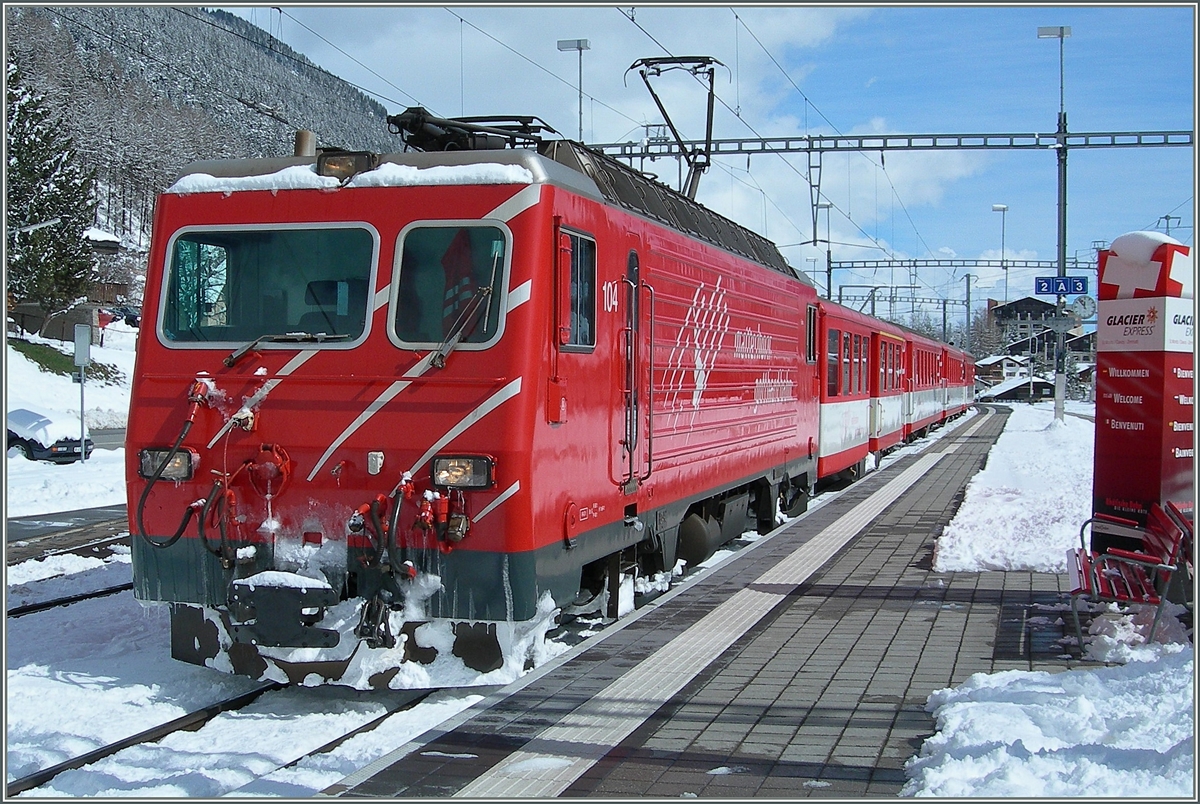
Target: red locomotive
{"points": [[392, 412]]}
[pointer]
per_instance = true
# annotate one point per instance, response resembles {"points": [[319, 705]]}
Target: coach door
{"points": [[633, 450]]}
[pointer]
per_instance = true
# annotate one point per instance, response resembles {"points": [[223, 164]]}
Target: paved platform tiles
{"points": [[788, 688]]}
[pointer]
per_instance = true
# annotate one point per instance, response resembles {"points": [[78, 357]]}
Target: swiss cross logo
{"points": [[1129, 277], [1139, 265]]}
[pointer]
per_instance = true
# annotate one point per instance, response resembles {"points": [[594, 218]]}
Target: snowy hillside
{"points": [[144, 90]]}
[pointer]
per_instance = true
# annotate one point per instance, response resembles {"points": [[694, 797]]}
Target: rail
{"points": [[33, 608], [188, 721]]}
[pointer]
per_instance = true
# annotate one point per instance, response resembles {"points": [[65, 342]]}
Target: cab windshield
{"points": [[450, 283], [241, 285]]}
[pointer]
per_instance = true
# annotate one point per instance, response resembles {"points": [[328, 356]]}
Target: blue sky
{"points": [[854, 70]]}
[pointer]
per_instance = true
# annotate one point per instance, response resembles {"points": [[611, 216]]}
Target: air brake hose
{"points": [[187, 515], [378, 525], [393, 532], [197, 396], [215, 498]]}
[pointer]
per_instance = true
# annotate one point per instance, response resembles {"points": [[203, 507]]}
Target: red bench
{"points": [[1130, 576]]}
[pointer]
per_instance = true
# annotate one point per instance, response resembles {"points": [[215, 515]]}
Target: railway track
{"points": [[194, 721], [96, 540]]}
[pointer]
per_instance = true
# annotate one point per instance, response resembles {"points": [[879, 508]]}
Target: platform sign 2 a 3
{"points": [[1060, 285]]}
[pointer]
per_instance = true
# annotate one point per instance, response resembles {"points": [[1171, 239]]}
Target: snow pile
{"points": [[39, 487], [1123, 731], [1023, 511], [105, 405], [297, 177], [56, 577], [389, 174], [40, 569]]}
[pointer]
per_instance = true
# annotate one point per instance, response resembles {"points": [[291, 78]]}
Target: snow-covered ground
{"points": [[37, 487], [1126, 730], [100, 670]]}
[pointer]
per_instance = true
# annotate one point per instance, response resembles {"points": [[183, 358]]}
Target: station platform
{"points": [[799, 667]]}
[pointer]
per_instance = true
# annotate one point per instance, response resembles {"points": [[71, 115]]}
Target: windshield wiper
{"points": [[286, 337], [459, 329], [467, 317]]}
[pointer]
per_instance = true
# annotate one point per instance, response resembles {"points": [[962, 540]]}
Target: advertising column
{"points": [[1144, 380]]}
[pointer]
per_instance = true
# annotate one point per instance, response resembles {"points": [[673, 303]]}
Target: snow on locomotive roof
{"points": [[561, 163], [388, 174]]}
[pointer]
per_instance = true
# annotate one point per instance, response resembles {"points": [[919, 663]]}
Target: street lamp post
{"points": [[1060, 32], [825, 205], [580, 45], [1003, 210]]}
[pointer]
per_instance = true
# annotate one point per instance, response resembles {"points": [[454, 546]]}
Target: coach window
{"points": [[861, 345], [846, 387], [885, 383], [831, 363], [811, 335], [583, 293], [855, 369]]}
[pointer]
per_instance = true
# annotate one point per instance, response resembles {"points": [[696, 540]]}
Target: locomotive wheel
{"points": [[766, 504], [699, 538]]}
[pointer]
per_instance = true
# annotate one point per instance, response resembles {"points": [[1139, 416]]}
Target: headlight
{"points": [[179, 468], [344, 164], [462, 471]]}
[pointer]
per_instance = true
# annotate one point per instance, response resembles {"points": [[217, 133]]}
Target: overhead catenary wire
{"points": [[808, 102], [305, 62], [630, 16], [546, 70], [356, 61]]}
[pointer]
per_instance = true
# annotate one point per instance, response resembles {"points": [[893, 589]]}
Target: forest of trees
{"points": [[143, 90]]}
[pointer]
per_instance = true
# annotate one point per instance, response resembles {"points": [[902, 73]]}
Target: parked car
{"points": [[131, 315], [43, 437]]}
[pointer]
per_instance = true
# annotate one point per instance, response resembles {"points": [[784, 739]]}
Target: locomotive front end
{"points": [[322, 477]]}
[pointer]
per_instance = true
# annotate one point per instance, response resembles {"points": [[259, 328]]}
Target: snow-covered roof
{"points": [[1009, 384], [388, 174], [92, 233], [994, 359]]}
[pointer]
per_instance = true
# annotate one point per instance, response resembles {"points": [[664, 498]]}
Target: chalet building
{"points": [[998, 368], [1019, 389], [1020, 318]]}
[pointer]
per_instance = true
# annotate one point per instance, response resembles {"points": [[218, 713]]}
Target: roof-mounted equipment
{"points": [[422, 131], [697, 158]]}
